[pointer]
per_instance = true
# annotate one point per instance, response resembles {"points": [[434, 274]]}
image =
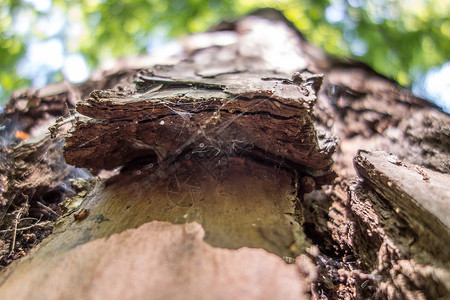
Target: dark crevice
{"points": [[235, 112], [146, 85]]}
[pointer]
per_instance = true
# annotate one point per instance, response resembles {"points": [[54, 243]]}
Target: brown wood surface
{"points": [[237, 137]]}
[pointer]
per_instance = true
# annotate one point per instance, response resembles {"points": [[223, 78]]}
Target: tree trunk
{"points": [[225, 147]]}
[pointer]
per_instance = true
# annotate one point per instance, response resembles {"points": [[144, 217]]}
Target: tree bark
{"points": [[229, 146]]}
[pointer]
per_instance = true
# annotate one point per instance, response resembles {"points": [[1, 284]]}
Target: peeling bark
{"points": [[237, 136], [177, 264], [174, 111], [418, 195]]}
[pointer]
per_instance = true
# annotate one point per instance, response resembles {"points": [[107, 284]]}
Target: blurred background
{"points": [[43, 41]]}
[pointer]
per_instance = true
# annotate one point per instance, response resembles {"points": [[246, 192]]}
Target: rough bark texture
{"points": [[236, 135], [418, 195], [215, 107]]}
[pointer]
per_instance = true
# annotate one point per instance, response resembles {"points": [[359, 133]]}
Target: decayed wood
{"points": [[174, 111], [37, 178], [202, 137], [402, 266], [367, 111], [239, 203], [233, 149], [38, 168], [400, 258], [159, 261], [404, 210], [32, 109], [34, 177], [246, 127], [420, 196]]}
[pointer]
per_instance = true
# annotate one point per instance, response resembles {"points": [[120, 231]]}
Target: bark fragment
{"points": [[175, 111], [394, 249], [418, 195], [159, 260], [395, 237], [38, 180]]}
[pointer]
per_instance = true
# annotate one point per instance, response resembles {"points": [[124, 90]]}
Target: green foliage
{"points": [[401, 39], [124, 28], [11, 50], [409, 40]]}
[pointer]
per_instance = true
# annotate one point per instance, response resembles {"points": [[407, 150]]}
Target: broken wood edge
{"points": [[118, 111], [390, 248], [432, 235]]}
